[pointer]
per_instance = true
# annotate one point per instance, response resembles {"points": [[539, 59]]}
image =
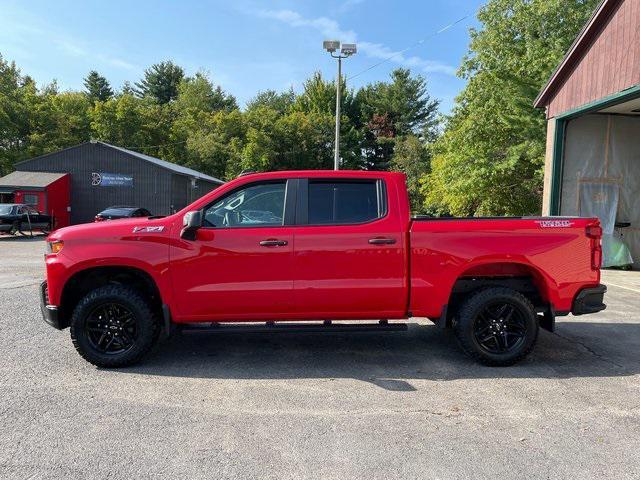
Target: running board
{"points": [[286, 327]]}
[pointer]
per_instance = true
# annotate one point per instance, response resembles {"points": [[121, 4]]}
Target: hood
{"points": [[113, 228]]}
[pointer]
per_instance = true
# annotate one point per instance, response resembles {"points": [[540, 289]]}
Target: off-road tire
{"points": [[474, 305], [146, 325]]}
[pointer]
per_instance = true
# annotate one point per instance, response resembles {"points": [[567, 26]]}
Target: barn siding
{"points": [[610, 65]]}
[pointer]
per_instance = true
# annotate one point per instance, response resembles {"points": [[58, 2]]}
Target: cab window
{"points": [[255, 205]]}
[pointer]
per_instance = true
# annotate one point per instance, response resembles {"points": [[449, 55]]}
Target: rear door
{"points": [[349, 252]]}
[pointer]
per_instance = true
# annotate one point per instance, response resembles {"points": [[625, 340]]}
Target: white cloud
{"points": [[330, 29], [349, 4], [377, 50]]}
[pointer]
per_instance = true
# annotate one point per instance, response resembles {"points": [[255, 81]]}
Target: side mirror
{"points": [[191, 222]]}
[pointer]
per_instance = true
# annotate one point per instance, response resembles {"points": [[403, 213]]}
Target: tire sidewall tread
{"points": [[146, 325], [467, 313]]}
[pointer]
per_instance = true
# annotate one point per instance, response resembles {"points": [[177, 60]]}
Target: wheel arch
{"points": [[90, 278], [516, 275]]}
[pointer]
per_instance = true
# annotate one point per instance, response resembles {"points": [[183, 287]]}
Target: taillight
{"points": [[596, 257], [594, 232]]}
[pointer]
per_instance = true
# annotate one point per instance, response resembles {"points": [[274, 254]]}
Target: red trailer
{"points": [[47, 192]]}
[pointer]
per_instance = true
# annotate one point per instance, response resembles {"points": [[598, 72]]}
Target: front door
{"points": [[349, 251], [240, 267]]}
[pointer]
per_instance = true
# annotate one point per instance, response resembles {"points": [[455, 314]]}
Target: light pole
{"points": [[346, 50]]}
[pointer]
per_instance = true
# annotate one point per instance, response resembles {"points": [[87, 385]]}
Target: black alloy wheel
{"points": [[500, 327], [114, 326], [111, 329], [496, 326]]}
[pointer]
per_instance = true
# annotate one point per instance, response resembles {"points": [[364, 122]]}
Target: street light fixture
{"points": [[346, 50]]}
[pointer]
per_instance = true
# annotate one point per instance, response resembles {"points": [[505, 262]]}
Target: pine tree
{"points": [[161, 82], [98, 88]]}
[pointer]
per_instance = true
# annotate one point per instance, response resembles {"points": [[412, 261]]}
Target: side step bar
{"points": [[286, 327]]}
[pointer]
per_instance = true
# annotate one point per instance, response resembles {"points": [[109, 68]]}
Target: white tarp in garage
{"points": [[601, 176]]}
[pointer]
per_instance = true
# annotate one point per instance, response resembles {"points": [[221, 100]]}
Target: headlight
{"points": [[54, 246]]}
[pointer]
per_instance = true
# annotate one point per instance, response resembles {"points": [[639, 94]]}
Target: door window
{"points": [[256, 205], [332, 203]]}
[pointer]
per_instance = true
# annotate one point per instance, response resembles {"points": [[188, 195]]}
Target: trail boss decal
{"points": [[555, 223], [148, 229]]}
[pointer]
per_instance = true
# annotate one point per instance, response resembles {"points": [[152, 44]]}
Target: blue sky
{"points": [[246, 46]]}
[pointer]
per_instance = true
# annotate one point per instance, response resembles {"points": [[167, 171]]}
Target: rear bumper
{"points": [[589, 300], [49, 312]]}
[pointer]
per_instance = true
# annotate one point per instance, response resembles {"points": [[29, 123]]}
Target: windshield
{"points": [[117, 212], [6, 209]]}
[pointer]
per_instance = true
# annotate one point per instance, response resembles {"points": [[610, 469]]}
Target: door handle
{"points": [[273, 243], [382, 241]]}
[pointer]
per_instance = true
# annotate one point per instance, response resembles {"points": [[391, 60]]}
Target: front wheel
{"points": [[113, 326], [497, 326]]}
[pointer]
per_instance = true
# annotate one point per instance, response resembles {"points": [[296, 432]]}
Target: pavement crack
{"points": [[589, 349]]}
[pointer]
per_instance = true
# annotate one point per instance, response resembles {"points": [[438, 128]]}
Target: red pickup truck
{"points": [[281, 247]]}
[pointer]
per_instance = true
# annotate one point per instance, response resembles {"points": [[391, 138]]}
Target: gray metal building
{"points": [[103, 175]]}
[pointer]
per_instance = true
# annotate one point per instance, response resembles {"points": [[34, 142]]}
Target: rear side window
{"points": [[344, 202]]}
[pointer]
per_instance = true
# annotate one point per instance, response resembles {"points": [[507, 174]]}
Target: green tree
{"points": [[198, 93], [98, 88], [489, 160], [319, 98], [297, 140], [280, 102], [129, 121], [412, 157], [58, 121], [394, 109], [16, 95], [160, 82]]}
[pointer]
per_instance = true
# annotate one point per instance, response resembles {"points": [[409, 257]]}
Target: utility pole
{"points": [[336, 150], [346, 50]]}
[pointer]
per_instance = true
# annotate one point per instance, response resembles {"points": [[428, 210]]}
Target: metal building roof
{"points": [[30, 179], [164, 164]]}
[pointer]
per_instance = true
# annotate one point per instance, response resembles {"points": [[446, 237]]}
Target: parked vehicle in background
{"points": [[117, 212], [318, 245], [19, 218]]}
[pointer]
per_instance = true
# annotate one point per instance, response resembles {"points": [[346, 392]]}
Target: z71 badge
{"points": [[555, 223], [156, 229]]}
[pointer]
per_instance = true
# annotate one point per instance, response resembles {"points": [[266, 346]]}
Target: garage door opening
{"points": [[598, 174]]}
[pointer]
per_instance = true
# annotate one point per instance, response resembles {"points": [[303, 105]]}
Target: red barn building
{"points": [[47, 192]]}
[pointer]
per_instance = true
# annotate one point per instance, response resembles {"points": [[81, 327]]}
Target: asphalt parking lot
{"points": [[365, 405]]}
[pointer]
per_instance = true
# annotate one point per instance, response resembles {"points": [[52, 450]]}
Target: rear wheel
{"points": [[113, 326], [15, 228], [497, 326]]}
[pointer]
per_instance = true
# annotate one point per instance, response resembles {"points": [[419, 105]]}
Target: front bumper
{"points": [[589, 300], [49, 312]]}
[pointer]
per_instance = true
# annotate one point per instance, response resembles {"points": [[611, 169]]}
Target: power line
{"points": [[419, 42]]}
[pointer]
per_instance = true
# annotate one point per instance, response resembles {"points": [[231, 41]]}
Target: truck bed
{"points": [[554, 252]]}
